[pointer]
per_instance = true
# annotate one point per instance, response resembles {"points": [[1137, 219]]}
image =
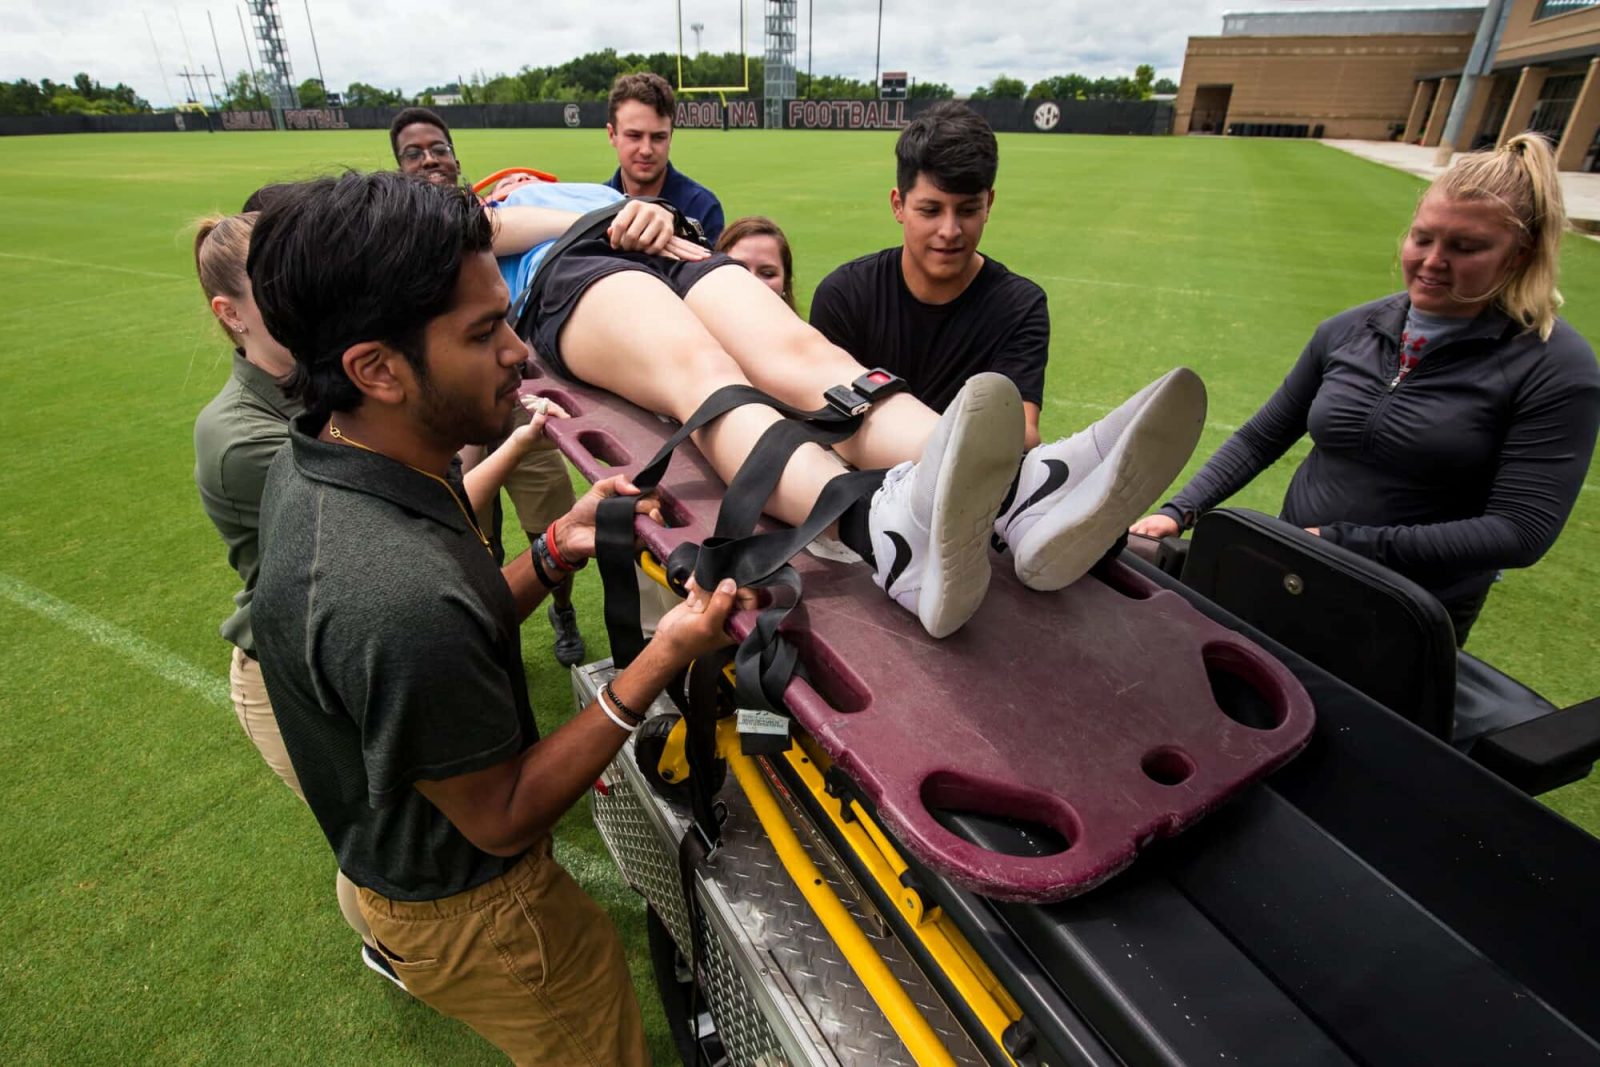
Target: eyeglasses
{"points": [[415, 153]]}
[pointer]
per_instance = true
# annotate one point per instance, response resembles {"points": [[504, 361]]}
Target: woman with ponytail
{"points": [[1453, 423], [235, 438]]}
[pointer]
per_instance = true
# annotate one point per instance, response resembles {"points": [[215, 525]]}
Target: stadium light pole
{"points": [[877, 60], [220, 65], [184, 36], [160, 66], [320, 79], [255, 87]]}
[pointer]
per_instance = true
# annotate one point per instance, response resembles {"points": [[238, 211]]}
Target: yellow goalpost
{"points": [[720, 90]]}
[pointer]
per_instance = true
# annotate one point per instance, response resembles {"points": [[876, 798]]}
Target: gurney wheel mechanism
{"points": [[658, 751]]}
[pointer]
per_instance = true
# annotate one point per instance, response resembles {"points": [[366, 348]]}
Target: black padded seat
{"points": [[1386, 636]]}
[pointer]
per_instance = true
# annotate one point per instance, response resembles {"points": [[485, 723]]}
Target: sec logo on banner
{"points": [[1045, 117]]}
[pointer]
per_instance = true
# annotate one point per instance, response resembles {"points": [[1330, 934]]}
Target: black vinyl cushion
{"points": [[1488, 700], [1378, 631]]}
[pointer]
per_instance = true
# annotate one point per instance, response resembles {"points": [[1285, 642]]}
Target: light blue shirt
{"points": [[563, 196]]}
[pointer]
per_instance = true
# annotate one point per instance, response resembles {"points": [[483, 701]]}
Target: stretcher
{"points": [[1377, 900], [1095, 737]]}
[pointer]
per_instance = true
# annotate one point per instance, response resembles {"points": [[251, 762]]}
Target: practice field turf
{"points": [[163, 898]]}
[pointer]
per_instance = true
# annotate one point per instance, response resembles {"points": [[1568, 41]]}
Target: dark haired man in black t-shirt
{"points": [[934, 311]]}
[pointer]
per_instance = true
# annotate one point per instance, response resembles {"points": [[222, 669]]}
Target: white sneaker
{"points": [[930, 521], [1076, 496]]}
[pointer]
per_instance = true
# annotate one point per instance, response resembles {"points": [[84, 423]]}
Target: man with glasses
{"points": [[422, 146], [539, 485]]}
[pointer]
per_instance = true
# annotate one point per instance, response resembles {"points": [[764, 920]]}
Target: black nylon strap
{"points": [[614, 535], [753, 485], [701, 709], [765, 662], [613, 526]]}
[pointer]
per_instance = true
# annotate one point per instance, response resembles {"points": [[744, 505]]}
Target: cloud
{"points": [[411, 44]]}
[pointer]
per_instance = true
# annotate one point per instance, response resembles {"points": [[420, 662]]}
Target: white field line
{"points": [[592, 868], [158, 661], [27, 310], [79, 264]]}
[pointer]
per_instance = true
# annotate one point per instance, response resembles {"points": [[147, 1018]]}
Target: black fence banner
{"points": [[1006, 116]]}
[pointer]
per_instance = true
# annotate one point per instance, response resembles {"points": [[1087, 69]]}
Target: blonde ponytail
{"points": [[1521, 177], [221, 245]]}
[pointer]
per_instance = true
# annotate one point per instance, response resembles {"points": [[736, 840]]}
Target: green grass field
{"points": [[163, 899]]}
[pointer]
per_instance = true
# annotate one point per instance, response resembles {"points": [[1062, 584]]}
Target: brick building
{"points": [[1393, 72]]}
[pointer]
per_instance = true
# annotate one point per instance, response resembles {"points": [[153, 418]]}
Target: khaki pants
{"points": [[528, 960], [254, 709], [539, 486]]}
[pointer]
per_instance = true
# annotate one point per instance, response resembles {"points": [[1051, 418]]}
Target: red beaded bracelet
{"points": [[555, 552]]}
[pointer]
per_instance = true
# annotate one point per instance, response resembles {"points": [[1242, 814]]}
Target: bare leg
{"points": [[928, 522], [781, 354], [632, 336]]}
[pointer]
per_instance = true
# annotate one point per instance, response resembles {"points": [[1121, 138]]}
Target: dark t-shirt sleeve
{"points": [[1542, 463], [1259, 443], [833, 315], [431, 697], [1023, 356]]}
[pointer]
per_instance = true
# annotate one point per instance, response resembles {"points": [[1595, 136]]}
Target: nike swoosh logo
{"points": [[902, 559], [1055, 477]]}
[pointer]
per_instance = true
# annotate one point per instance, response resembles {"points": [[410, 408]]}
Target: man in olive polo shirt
{"points": [[389, 637]]}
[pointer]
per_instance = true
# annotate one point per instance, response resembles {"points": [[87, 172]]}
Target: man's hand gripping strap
{"points": [[764, 662]]}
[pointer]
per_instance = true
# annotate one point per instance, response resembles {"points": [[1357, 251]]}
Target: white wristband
{"points": [[600, 698]]}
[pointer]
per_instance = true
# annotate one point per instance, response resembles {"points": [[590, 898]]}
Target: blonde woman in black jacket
{"points": [[1452, 424]]}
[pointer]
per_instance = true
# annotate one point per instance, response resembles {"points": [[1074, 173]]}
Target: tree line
{"points": [[1141, 86], [585, 78], [81, 96]]}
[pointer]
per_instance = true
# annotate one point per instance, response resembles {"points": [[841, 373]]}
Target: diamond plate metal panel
{"points": [[639, 849], [745, 1032], [775, 981]]}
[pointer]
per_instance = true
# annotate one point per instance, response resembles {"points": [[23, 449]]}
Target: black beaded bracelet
{"points": [[627, 712], [539, 556]]}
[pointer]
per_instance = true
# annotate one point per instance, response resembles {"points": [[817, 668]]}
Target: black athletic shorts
{"points": [[585, 263]]}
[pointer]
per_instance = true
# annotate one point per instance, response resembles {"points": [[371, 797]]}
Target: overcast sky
{"points": [[410, 44]]}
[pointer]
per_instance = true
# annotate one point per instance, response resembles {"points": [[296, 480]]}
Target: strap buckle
{"points": [[858, 397], [710, 841]]}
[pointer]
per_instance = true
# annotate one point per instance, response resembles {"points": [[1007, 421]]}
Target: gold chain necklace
{"points": [[472, 523]]}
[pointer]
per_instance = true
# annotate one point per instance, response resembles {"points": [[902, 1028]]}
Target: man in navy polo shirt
{"points": [[640, 127]]}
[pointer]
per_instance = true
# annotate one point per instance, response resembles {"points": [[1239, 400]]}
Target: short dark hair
{"points": [[952, 145], [410, 117], [649, 89], [360, 257], [265, 195]]}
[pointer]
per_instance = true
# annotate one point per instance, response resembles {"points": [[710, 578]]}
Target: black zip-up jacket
{"points": [[1469, 464]]}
